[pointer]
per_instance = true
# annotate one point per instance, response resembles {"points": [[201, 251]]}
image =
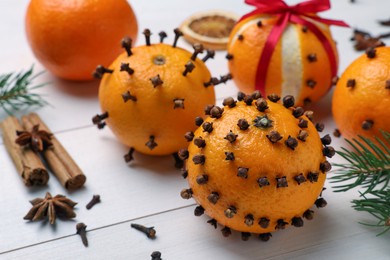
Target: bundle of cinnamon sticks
{"points": [[30, 164]]}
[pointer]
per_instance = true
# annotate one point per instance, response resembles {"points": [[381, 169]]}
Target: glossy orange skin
{"points": [[369, 99], [70, 38], [253, 150], [153, 114]]}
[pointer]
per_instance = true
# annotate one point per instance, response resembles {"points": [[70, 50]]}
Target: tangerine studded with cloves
{"points": [[361, 99], [265, 169], [150, 95]]}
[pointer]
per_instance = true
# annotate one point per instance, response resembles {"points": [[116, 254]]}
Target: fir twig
{"points": [[15, 91], [367, 167]]}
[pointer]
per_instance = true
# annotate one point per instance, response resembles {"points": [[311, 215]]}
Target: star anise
{"points": [[364, 40], [51, 207], [38, 140]]}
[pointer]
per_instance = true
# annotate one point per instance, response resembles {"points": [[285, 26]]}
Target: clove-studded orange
{"points": [[70, 37], [361, 99], [257, 166], [299, 64], [150, 94]]}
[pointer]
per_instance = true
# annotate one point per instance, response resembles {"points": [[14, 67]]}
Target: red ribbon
{"points": [[294, 14]]}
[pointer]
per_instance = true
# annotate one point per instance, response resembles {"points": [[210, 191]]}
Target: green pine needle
{"points": [[367, 167], [15, 91]]}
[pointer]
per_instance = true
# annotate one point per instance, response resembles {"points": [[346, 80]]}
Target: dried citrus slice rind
{"points": [[211, 28]]}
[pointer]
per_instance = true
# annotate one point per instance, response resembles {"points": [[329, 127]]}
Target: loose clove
{"points": [[156, 255], [93, 202], [81, 231], [129, 156], [150, 232]]}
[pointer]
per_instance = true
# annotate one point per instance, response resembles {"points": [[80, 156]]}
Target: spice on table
{"points": [[51, 207], [364, 40], [149, 231], [82, 232], [60, 162], [385, 22], [93, 202], [38, 140], [156, 255], [27, 163]]}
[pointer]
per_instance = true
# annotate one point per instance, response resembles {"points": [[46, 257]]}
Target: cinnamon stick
{"points": [[60, 162], [27, 163]]}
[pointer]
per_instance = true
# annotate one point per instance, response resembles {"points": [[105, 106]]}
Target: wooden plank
{"points": [[148, 185], [332, 234]]}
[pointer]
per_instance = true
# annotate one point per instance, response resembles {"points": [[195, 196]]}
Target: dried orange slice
{"points": [[210, 28]]}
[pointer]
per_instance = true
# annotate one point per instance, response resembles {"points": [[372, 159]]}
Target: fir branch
{"points": [[367, 167], [15, 91]]}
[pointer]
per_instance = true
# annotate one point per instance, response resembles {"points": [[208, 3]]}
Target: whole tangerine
{"points": [[299, 65], [70, 37], [150, 94], [257, 166], [361, 99]]}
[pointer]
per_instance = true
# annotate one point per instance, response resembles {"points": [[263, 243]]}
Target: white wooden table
{"points": [[147, 192]]}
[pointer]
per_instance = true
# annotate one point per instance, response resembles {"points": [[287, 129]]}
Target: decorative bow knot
{"points": [[302, 14]]}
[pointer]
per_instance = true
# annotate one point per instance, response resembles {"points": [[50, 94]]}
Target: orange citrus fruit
{"points": [[299, 65], [70, 37], [152, 96], [361, 99], [260, 167]]}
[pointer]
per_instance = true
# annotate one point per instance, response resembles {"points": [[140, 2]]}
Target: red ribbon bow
{"points": [[294, 14]]}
